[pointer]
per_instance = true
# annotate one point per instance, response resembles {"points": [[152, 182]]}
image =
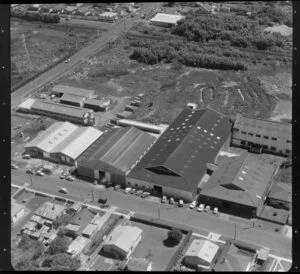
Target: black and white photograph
{"points": [[151, 136]]}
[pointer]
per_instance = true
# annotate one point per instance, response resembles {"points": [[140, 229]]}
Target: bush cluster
{"points": [[36, 16]]}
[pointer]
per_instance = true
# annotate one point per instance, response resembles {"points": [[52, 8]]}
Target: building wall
{"points": [[163, 24], [194, 261], [85, 171], [276, 146], [279, 204], [18, 216]]}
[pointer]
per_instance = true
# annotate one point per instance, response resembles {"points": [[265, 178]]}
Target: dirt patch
{"points": [[282, 29]]}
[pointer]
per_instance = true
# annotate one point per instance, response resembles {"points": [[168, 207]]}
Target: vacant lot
{"points": [[152, 247], [35, 46]]}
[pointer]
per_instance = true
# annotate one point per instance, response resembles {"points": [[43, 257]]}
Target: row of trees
{"points": [[36, 16]]}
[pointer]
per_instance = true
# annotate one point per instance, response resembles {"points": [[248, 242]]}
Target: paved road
{"points": [[197, 221], [116, 30]]}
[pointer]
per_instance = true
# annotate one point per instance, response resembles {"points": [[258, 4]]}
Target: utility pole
{"points": [[30, 179], [234, 231]]}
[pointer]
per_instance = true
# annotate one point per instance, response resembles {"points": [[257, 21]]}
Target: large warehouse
{"points": [[262, 135], [115, 154], [63, 142], [176, 163], [166, 20], [239, 186]]}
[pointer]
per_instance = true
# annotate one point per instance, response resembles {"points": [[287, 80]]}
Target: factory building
{"points": [[239, 186], [262, 135], [62, 142], [73, 100], [63, 112], [115, 154], [183, 154], [166, 20], [59, 90]]}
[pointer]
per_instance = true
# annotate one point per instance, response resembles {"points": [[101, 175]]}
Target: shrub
{"points": [[58, 245], [175, 235]]}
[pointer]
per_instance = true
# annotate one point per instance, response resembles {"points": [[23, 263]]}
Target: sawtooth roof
{"points": [[193, 139], [242, 180], [120, 148]]}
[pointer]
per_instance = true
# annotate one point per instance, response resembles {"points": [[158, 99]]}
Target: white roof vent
{"points": [[206, 131], [241, 178]]}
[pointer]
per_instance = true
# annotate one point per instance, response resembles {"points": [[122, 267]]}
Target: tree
{"points": [[58, 245], [65, 261], [175, 235]]}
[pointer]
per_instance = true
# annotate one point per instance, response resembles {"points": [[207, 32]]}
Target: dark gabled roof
{"points": [[193, 139], [241, 180], [281, 191], [120, 148], [72, 98]]}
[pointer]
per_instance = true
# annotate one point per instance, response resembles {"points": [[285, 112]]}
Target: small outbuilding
{"points": [[166, 20]]}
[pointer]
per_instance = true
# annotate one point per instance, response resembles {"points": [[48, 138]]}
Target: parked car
{"points": [[63, 190], [172, 202], [26, 156], [164, 199], [127, 190], [145, 194], [18, 126], [14, 166], [70, 178], [133, 191], [66, 61], [139, 192], [40, 173], [207, 209], [117, 187], [193, 204], [29, 171], [201, 207], [180, 203], [215, 210], [62, 176], [102, 201]]}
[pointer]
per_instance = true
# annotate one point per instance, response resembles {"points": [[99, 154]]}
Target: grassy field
{"points": [[45, 44]]}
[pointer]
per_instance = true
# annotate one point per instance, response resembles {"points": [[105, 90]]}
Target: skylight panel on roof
{"points": [[218, 138], [212, 147], [178, 139], [241, 178], [211, 134], [198, 127], [205, 130], [244, 172]]}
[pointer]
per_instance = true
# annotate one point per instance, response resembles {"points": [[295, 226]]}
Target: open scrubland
{"points": [[247, 70], [36, 46]]}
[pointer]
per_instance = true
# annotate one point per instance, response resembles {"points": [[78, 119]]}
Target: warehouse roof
{"points": [[48, 139], [179, 157], [281, 131], [43, 105], [241, 180], [27, 103], [121, 148], [72, 98], [203, 249], [124, 237], [167, 18], [66, 138], [72, 90], [50, 210], [16, 208], [281, 191]]}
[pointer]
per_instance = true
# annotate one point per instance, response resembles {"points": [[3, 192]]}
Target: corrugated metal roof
{"points": [[203, 249], [27, 103], [281, 131], [281, 191], [66, 138], [72, 90], [72, 98], [121, 148], [52, 136], [124, 237], [77, 142], [167, 18], [242, 180], [42, 105], [186, 146]]}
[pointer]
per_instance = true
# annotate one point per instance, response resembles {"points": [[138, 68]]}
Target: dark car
{"points": [[29, 171], [102, 201]]}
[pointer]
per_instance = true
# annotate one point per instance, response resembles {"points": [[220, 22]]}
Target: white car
{"points": [[207, 209], [63, 190], [70, 178], [192, 205], [180, 203], [200, 208], [14, 166], [26, 156], [127, 190], [215, 210], [40, 173], [164, 199]]}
